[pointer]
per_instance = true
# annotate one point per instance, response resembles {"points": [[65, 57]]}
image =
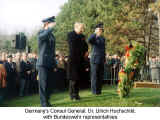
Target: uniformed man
{"points": [[78, 51], [46, 60], [97, 60]]}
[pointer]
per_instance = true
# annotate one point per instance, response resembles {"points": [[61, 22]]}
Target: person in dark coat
{"points": [[46, 60], [12, 77], [18, 61], [25, 70], [85, 74], [66, 67], [97, 60], [33, 86], [78, 51]]}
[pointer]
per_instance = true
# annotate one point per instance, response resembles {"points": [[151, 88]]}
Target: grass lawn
{"points": [[140, 97]]}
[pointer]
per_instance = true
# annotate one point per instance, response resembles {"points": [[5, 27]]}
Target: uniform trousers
{"points": [[97, 76], [45, 77]]}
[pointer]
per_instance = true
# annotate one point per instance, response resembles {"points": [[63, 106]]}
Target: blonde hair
{"points": [[79, 27], [77, 24]]}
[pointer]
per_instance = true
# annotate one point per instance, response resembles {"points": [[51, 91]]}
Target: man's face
{"points": [[79, 29], [34, 55], [9, 59], [66, 59], [60, 59], [153, 59], [98, 31], [18, 56], [30, 55], [24, 57], [52, 24], [3, 57]]}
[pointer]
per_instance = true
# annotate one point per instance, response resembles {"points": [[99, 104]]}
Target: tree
{"points": [[33, 43], [124, 20], [155, 8], [7, 44]]}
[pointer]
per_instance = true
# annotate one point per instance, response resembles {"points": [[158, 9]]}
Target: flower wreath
{"points": [[134, 60]]}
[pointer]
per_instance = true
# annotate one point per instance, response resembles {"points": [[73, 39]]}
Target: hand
{"points": [[96, 31], [28, 72], [114, 66], [55, 69], [87, 69], [51, 25], [86, 55]]}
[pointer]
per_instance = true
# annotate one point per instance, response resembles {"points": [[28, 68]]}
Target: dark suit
{"points": [[24, 82], [45, 63], [12, 80], [97, 62], [77, 49], [33, 81]]}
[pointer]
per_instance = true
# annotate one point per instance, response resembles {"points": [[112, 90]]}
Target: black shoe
{"points": [[75, 98], [49, 105], [71, 98], [97, 93]]}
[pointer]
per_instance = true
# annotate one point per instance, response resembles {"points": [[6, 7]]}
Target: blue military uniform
{"points": [[97, 62], [45, 63]]}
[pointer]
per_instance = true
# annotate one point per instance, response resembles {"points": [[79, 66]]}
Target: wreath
{"points": [[134, 60]]}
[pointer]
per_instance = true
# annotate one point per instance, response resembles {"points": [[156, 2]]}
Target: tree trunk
{"points": [[159, 31]]}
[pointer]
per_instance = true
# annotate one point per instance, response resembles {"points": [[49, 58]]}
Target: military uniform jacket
{"points": [[77, 48], [98, 49], [46, 46]]}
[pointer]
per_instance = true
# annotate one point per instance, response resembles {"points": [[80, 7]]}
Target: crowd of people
{"points": [[21, 74]]}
